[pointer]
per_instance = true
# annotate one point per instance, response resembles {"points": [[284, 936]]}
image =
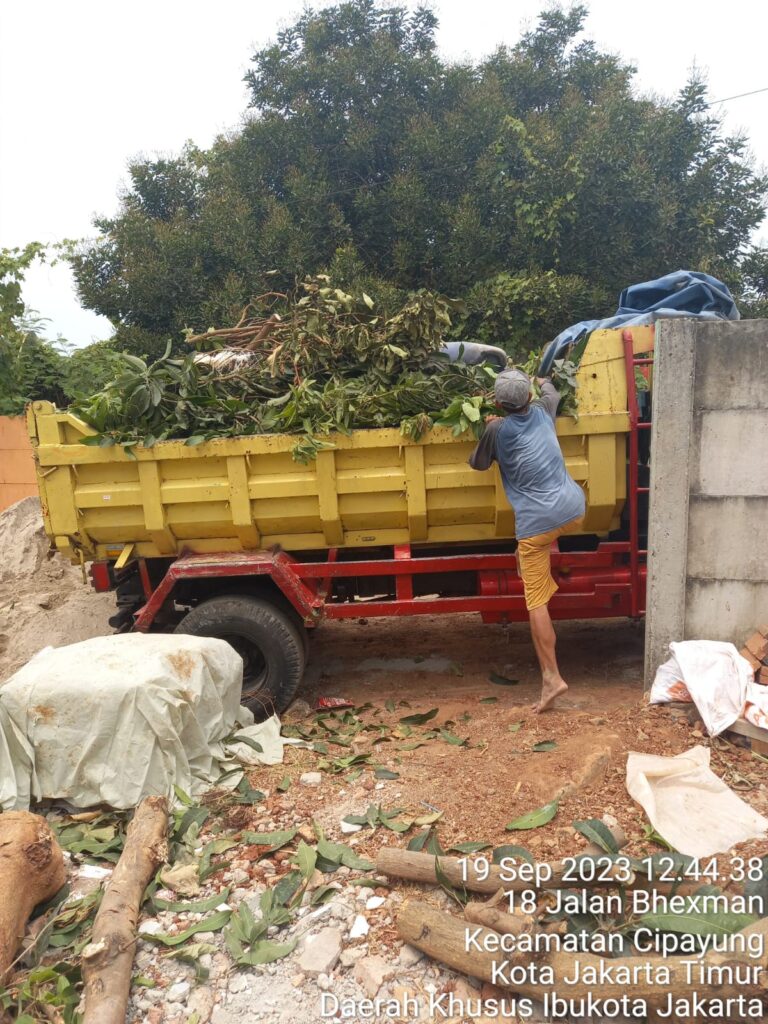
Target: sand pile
{"points": [[24, 546], [43, 600]]}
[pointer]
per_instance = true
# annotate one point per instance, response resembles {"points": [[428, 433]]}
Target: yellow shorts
{"points": [[535, 566]]}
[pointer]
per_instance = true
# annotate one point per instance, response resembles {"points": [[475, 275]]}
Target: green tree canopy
{"points": [[30, 365], [536, 184]]}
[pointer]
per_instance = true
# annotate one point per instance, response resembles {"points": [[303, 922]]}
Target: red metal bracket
{"points": [[277, 565]]}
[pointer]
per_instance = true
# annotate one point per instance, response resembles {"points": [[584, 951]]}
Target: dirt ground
{"points": [[482, 682], [443, 662], [425, 662]]}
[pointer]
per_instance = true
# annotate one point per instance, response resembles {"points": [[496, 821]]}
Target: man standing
{"points": [[546, 500]]}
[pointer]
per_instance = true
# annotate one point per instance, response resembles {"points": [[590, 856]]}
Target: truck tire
{"points": [[267, 638]]}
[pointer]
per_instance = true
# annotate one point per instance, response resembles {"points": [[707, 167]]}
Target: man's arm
{"points": [[484, 454], [550, 397]]}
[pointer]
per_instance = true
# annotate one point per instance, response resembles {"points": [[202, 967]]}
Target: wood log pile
{"points": [[443, 936], [33, 871]]}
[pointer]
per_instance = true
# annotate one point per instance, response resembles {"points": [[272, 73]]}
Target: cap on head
{"points": [[512, 389]]}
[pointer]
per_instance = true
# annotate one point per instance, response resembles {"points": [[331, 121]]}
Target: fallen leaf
{"points": [[533, 819], [182, 878], [502, 680], [419, 719]]}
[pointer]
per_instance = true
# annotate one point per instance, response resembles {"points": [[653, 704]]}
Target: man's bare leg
{"points": [[544, 640]]}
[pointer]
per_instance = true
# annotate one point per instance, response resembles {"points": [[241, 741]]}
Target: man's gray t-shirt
{"points": [[536, 482]]}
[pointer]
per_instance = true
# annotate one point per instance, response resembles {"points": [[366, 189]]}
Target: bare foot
{"points": [[552, 687]]}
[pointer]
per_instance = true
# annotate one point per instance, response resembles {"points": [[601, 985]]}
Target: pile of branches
{"points": [[312, 363]]}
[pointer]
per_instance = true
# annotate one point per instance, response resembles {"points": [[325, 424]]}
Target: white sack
{"points": [[687, 804], [118, 718], [713, 674]]}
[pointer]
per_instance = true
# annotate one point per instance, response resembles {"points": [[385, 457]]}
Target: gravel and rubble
{"points": [[347, 949]]}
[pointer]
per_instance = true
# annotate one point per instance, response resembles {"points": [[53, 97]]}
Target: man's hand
{"points": [[491, 419], [541, 380]]}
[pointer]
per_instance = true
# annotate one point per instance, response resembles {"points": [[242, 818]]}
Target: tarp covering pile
{"points": [[684, 293], [117, 718]]}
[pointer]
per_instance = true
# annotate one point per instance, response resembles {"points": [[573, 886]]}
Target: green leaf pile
{"points": [[313, 362]]}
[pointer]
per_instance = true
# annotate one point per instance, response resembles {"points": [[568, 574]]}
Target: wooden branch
{"points": [[108, 959], [31, 871], [498, 920], [444, 937], [267, 329], [420, 867]]}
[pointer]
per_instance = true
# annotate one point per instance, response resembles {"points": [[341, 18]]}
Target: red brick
{"points": [[758, 645], [753, 661], [762, 676]]}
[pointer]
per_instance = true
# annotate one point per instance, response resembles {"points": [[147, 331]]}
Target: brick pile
{"points": [[755, 650]]}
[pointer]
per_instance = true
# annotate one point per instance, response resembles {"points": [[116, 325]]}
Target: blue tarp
{"points": [[684, 293]]}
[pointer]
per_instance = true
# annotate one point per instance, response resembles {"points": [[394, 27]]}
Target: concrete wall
{"points": [[708, 542], [17, 467]]}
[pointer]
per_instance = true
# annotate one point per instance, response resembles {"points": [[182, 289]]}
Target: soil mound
{"points": [[44, 601], [24, 546]]}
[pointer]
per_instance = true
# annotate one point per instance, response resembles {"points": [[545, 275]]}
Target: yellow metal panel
{"points": [[154, 512], [329, 498], [372, 479], [99, 496], [124, 556], [240, 502], [503, 516], [373, 511], [601, 486], [416, 493]]}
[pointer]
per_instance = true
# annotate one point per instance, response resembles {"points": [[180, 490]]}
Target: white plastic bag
{"points": [[712, 674]]}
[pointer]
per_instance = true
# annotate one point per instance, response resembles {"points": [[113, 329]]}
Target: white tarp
{"points": [[687, 804], [117, 718], [715, 677]]}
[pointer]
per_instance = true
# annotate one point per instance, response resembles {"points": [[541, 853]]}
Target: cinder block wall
{"points": [[708, 542], [17, 467]]}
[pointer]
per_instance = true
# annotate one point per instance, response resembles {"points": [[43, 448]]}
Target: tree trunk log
{"points": [[31, 871], [420, 867], [108, 959], [443, 937], [499, 920]]}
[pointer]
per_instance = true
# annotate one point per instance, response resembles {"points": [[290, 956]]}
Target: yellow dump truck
{"points": [[234, 538]]}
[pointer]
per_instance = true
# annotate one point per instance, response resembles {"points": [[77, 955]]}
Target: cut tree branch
{"points": [[444, 937], [108, 958]]}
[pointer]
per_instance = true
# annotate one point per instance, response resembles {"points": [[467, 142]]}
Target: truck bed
{"points": [[374, 488]]}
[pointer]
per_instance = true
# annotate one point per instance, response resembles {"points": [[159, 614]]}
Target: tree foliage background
{"points": [[534, 184], [33, 366]]}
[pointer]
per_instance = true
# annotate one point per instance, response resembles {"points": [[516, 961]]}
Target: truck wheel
{"points": [[268, 640]]}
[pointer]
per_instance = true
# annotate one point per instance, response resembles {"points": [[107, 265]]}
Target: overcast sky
{"points": [[86, 85]]}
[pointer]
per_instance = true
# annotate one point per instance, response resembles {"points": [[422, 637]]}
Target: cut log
{"points": [[31, 871], [444, 937], [420, 867], [108, 958], [498, 920]]}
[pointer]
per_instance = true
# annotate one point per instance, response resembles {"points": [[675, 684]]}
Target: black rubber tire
{"points": [[268, 638]]}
